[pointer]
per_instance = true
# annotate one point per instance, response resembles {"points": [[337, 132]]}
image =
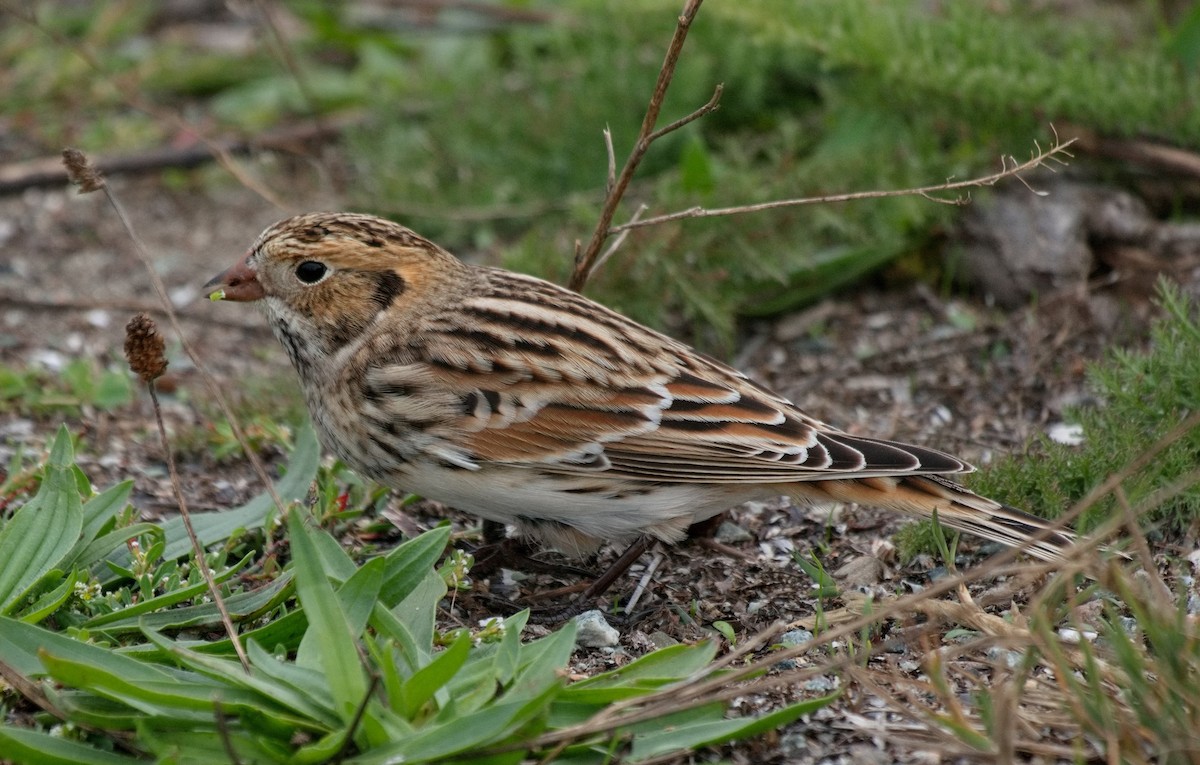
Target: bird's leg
{"points": [[499, 551], [585, 600], [705, 533], [494, 532]]}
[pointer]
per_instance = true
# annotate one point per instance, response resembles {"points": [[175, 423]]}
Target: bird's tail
{"points": [[957, 508]]}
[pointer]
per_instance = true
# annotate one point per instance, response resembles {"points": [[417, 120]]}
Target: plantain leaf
{"points": [[39, 536]]}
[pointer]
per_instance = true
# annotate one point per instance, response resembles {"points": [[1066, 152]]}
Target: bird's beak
{"points": [[239, 283]]}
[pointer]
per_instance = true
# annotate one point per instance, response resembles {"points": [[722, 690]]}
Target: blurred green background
{"points": [[480, 124]]}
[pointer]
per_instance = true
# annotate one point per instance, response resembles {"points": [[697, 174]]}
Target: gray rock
{"points": [[730, 533], [592, 631], [1019, 245]]}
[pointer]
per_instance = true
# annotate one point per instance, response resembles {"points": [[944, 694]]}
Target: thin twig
{"points": [[48, 171], [30, 303], [284, 50], [645, 580], [1010, 168], [585, 258], [224, 734], [616, 243], [357, 719], [197, 547]]}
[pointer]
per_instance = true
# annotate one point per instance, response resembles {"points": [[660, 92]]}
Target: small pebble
{"points": [[1009, 658], [730, 533], [1065, 434], [821, 684], [795, 637], [592, 631], [1074, 637], [660, 639]]}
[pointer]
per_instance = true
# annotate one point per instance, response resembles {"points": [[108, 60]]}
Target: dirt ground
{"points": [[901, 362]]}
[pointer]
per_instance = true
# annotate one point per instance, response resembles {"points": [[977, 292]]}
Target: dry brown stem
{"points": [[1010, 169], [585, 259]]}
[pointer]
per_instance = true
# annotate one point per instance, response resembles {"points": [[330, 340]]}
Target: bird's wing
{"points": [[540, 377]]}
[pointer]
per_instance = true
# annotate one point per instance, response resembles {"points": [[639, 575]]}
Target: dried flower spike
{"points": [[144, 348], [81, 171]]}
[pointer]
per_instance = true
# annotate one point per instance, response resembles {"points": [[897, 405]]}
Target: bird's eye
{"points": [[310, 271]]}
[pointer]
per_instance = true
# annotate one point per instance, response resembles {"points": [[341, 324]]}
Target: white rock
{"points": [[1067, 435]]}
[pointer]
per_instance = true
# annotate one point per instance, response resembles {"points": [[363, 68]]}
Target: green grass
{"points": [[80, 383], [1142, 397]]}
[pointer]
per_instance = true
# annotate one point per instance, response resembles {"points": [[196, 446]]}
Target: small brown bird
{"points": [[528, 404]]}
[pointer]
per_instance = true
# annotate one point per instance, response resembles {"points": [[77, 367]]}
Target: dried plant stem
{"points": [[197, 547], [1010, 169], [585, 259], [81, 170], [210, 382]]}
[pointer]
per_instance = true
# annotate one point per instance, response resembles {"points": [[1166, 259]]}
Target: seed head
{"points": [[144, 348], [81, 171]]}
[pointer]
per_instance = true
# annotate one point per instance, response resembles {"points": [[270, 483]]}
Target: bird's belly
{"points": [[577, 512]]}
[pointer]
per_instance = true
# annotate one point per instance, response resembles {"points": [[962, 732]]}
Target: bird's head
{"points": [[325, 278]]}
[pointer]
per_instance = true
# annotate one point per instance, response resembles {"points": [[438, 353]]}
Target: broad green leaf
{"points": [[696, 728], [411, 562], [86, 708], [30, 747], [669, 664], [50, 601], [357, 597], [20, 644], [508, 651], [97, 512], [414, 655], [207, 746], [421, 687], [543, 660], [309, 686], [243, 607], [37, 538], [648, 673], [463, 733], [265, 680], [418, 610], [217, 525], [335, 561], [186, 695], [337, 651]]}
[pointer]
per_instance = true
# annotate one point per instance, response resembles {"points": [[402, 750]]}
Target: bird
{"points": [[528, 404]]}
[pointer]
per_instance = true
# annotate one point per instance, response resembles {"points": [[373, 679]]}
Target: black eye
{"points": [[310, 271]]}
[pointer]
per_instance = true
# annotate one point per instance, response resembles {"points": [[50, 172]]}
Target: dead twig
{"points": [[1010, 169], [136, 306], [585, 258]]}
